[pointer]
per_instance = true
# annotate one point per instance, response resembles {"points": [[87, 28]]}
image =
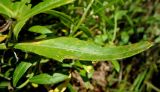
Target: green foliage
{"points": [[71, 48], [89, 38], [41, 7], [65, 19], [19, 72], [47, 79], [40, 29]]}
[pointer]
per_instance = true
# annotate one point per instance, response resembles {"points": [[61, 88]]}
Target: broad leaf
{"points": [[47, 79], [19, 71], [39, 8], [73, 48], [40, 29]]}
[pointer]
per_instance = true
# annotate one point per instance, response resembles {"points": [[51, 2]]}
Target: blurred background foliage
{"points": [[106, 22]]}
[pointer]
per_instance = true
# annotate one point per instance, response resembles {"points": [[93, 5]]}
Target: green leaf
{"points": [[2, 46], [40, 29], [47, 79], [19, 8], [73, 48], [86, 30], [6, 2], [19, 72], [39, 8], [4, 84], [116, 65], [125, 37], [138, 81], [45, 6], [5, 8], [65, 19], [120, 13]]}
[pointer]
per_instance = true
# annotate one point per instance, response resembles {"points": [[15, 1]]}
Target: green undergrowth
{"points": [[79, 45]]}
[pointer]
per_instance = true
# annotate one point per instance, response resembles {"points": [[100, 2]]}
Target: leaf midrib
{"points": [[99, 54]]}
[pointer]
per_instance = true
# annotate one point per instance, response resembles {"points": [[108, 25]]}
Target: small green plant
{"points": [[28, 54]]}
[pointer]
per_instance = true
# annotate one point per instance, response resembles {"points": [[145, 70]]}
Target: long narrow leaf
{"points": [[19, 7], [19, 71], [5, 6], [39, 8], [72, 48], [65, 19]]}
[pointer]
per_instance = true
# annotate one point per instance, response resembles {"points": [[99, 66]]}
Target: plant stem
{"points": [[82, 18], [26, 82], [115, 29], [152, 86], [1, 75]]}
